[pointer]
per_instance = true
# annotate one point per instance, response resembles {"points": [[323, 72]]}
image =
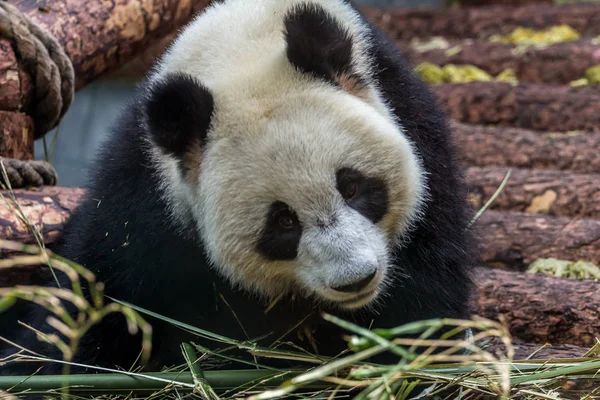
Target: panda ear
{"points": [[178, 111], [319, 45]]}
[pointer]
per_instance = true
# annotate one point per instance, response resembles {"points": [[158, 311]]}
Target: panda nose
{"points": [[356, 286]]}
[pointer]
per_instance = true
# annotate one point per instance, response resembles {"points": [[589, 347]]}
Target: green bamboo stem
{"points": [[114, 383]]}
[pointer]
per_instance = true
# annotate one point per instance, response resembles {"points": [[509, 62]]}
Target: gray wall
{"points": [[96, 107]]}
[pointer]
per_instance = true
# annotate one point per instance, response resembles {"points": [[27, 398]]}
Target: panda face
{"points": [[275, 139], [310, 201]]}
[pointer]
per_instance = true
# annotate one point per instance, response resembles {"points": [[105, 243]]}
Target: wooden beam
{"points": [[100, 36], [404, 24], [513, 240], [529, 106], [540, 308], [521, 148], [557, 64], [16, 135], [537, 191]]}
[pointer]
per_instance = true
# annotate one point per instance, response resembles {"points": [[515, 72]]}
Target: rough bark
{"points": [[530, 106], [534, 351], [513, 240], [559, 64], [47, 208], [139, 66], [477, 3], [15, 82], [16, 135], [482, 22], [537, 191], [101, 36], [541, 308], [521, 148]]}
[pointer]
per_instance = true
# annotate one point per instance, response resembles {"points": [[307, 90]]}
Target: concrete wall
{"points": [[96, 107]]}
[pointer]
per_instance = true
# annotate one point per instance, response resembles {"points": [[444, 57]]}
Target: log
{"points": [[559, 64], [15, 82], [530, 106], [514, 147], [16, 135], [141, 64], [479, 3], [574, 389], [513, 240], [404, 24], [540, 308], [98, 37], [534, 351], [102, 36], [46, 207], [537, 191]]}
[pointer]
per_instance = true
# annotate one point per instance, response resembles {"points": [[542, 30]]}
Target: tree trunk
{"points": [[101, 36], [98, 38], [520, 148], [541, 308], [404, 24], [559, 64], [534, 351], [513, 240], [15, 82], [531, 106], [477, 3], [537, 191], [47, 208], [16, 136]]}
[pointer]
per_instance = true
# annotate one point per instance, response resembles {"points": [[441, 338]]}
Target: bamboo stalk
{"points": [[121, 382], [521, 373]]}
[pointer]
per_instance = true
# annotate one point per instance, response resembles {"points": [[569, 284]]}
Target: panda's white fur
{"points": [[280, 160], [294, 132]]}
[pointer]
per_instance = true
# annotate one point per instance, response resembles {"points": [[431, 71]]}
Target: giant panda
{"points": [[281, 160]]}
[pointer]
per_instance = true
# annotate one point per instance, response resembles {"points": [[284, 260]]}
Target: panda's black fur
{"points": [[123, 233]]}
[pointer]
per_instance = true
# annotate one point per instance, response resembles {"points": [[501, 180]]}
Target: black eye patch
{"points": [[367, 195], [281, 235]]}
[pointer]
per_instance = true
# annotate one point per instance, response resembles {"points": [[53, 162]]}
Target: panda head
{"points": [[297, 177]]}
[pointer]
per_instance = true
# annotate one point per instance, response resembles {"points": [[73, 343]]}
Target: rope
{"points": [[54, 87], [26, 173], [46, 61]]}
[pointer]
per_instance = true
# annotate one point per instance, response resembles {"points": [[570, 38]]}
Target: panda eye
{"points": [[285, 221], [281, 233], [349, 190], [285, 218]]}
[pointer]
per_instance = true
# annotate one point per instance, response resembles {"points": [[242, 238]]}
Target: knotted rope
{"points": [[26, 173], [54, 83]]}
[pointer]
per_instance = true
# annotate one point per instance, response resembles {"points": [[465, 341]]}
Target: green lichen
{"points": [[566, 269], [430, 72], [453, 51], [434, 43], [591, 77], [531, 37], [451, 73], [592, 74]]}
